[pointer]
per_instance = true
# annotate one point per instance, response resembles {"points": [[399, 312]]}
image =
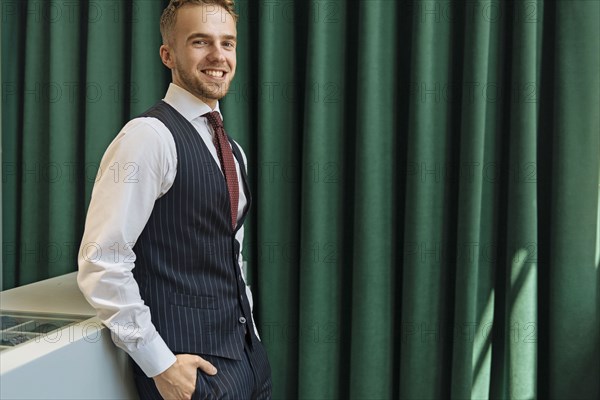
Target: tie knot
{"points": [[214, 119]]}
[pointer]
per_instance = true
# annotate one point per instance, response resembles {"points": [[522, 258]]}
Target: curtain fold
{"points": [[521, 241], [373, 255], [473, 285], [278, 155], [573, 328], [425, 180], [429, 215], [321, 261]]}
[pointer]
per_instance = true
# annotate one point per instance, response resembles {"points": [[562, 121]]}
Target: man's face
{"points": [[201, 51]]}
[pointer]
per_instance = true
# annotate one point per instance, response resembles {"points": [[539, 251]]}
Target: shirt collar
{"points": [[186, 103]]}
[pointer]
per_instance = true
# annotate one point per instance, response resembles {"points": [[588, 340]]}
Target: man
{"points": [[160, 258]]}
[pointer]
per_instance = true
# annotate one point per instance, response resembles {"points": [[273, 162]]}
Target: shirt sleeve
{"points": [[138, 167]]}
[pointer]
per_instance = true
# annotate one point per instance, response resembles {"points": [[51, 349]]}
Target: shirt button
{"points": [[242, 320]]}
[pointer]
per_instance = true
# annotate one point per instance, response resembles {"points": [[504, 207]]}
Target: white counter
{"points": [[78, 361], [55, 295]]}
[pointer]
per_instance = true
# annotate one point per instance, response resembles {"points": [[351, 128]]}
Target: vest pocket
{"points": [[188, 300]]}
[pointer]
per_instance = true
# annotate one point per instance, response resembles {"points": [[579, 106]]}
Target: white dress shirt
{"points": [[138, 167]]}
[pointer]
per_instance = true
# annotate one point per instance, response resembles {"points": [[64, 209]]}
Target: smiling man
{"points": [[160, 258]]}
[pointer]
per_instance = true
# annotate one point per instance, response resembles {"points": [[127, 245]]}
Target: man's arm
{"points": [[134, 172]]}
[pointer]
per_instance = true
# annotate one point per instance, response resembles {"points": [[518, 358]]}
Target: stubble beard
{"points": [[204, 90]]}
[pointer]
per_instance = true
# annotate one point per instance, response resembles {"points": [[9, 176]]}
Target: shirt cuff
{"points": [[154, 358]]}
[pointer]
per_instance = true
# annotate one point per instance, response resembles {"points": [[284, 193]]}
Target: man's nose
{"points": [[217, 53]]}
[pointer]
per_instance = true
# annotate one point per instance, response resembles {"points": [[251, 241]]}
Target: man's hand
{"points": [[178, 382]]}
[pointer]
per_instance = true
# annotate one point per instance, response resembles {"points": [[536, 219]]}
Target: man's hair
{"points": [[169, 15]]}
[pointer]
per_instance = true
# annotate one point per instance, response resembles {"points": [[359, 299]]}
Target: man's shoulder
{"points": [[143, 125], [145, 131], [164, 111]]}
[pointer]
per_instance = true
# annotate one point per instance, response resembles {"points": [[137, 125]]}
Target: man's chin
{"points": [[212, 94]]}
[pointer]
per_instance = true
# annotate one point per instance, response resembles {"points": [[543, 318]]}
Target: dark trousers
{"points": [[248, 378]]}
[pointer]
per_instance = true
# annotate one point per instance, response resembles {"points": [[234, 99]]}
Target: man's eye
{"points": [[199, 42]]}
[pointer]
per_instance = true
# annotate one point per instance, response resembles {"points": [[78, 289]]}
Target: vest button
{"points": [[242, 320]]}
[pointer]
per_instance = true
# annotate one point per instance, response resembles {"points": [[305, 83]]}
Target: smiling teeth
{"points": [[216, 74]]}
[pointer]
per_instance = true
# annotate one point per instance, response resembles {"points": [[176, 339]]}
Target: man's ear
{"points": [[167, 56]]}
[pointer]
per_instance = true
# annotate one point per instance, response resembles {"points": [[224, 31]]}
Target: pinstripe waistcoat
{"points": [[187, 255]]}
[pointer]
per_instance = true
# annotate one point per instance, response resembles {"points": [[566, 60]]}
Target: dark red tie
{"points": [[227, 163]]}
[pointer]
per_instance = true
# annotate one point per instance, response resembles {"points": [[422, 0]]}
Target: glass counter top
{"points": [[17, 328]]}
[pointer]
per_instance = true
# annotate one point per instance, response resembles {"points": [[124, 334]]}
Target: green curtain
{"points": [[425, 176]]}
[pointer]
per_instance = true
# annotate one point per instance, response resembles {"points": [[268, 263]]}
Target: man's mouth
{"points": [[215, 73]]}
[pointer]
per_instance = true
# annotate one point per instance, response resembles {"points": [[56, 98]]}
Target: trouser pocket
{"points": [[203, 388]]}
